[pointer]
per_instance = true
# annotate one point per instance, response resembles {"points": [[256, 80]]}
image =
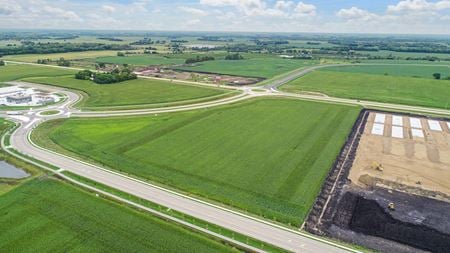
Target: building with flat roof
{"points": [[19, 99]]}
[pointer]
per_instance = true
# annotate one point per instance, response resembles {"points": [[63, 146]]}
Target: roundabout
{"points": [[49, 113]]}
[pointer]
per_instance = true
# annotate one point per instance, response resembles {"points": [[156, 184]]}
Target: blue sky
{"points": [[336, 16]]}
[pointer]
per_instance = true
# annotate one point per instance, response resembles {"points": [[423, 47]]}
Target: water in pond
{"points": [[9, 171]]}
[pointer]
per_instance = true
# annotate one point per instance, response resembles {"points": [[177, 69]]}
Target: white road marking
{"points": [[21, 118], [31, 123]]}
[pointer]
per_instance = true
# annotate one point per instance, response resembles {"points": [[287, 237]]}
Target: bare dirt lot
{"points": [[196, 76], [389, 188], [417, 162]]}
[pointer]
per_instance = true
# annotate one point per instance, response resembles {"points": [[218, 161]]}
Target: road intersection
{"points": [[275, 234]]}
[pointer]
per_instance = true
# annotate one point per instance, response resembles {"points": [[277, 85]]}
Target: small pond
{"points": [[9, 171]]}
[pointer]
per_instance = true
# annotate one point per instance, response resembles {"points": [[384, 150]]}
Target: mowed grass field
{"points": [[13, 72], [268, 157], [129, 93], [424, 71], [141, 60], [390, 89], [264, 67], [47, 215]]}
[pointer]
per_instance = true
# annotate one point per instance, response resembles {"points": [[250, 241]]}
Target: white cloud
{"points": [[418, 6], [284, 5], [193, 11], [62, 14], [109, 9], [8, 8], [355, 13], [193, 22], [305, 9]]}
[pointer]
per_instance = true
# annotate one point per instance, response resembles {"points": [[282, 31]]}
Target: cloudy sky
{"points": [[364, 16]]}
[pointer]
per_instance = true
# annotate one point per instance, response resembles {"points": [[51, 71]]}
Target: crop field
{"points": [[13, 72], [268, 156], [408, 62], [47, 215], [134, 92], [140, 60], [265, 67], [68, 56], [390, 89], [426, 71]]}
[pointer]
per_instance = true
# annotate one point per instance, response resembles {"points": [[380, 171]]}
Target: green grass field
{"points": [[13, 72], [68, 56], [134, 92], [265, 67], [47, 215], [396, 70], [268, 157], [390, 89], [141, 60]]}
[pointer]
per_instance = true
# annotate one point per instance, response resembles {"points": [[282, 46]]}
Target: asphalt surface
{"points": [[253, 227]]}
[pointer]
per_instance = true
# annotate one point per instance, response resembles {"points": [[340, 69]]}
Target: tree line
{"points": [[199, 59], [115, 76], [48, 48]]}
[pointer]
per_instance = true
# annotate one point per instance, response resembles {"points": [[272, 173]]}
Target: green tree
{"points": [[437, 76], [2, 63], [84, 75]]}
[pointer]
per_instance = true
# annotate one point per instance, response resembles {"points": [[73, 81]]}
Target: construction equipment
{"points": [[377, 166], [391, 206]]}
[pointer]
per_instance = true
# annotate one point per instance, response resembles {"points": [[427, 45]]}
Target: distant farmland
{"points": [[48, 215], [13, 72], [265, 67], [396, 70], [140, 60], [268, 157], [390, 89]]}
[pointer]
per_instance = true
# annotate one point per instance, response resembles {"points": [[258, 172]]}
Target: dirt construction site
{"points": [[389, 189], [406, 154]]}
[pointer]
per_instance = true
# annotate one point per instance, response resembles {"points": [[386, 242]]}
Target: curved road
{"points": [[241, 223], [246, 225]]}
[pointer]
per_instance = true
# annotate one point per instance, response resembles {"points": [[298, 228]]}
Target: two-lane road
{"points": [[253, 227]]}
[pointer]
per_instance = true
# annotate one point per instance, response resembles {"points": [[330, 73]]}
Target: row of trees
{"points": [[199, 59], [48, 48], [115, 76], [60, 62], [438, 76]]}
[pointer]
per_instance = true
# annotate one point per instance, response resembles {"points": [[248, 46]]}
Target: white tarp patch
{"points": [[434, 125], [448, 124], [397, 132], [415, 123], [378, 129], [397, 120], [380, 118], [417, 133]]}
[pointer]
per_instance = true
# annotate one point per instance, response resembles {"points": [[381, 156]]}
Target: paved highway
{"points": [[253, 227]]}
